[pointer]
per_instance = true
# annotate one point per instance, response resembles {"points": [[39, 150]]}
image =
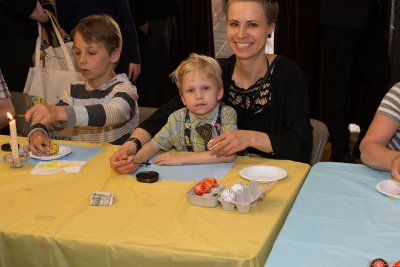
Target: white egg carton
{"points": [[209, 200], [246, 199], [243, 201]]}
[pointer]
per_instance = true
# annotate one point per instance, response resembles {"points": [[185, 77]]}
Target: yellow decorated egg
{"points": [[53, 150]]}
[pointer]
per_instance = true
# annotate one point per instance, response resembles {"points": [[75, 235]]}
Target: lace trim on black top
{"points": [[243, 98]]}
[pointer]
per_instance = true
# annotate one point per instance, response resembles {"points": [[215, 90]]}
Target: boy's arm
{"points": [[146, 153], [191, 158]]}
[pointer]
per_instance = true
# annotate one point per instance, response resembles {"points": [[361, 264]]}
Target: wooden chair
{"points": [[145, 112], [320, 138], [21, 102]]}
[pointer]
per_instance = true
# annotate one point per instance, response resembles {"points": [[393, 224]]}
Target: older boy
{"points": [[101, 109]]}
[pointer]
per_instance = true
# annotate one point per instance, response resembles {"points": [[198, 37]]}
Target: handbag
{"points": [[55, 67]]}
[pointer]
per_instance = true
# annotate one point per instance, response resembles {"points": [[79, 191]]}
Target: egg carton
{"points": [[246, 199], [209, 200]]}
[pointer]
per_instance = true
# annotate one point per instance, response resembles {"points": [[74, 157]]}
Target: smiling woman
{"points": [[272, 107]]}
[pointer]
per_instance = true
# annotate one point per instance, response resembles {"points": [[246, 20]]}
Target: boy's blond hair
{"points": [[100, 29], [195, 62]]}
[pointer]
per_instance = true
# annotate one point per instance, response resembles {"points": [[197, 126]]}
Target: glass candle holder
{"points": [[18, 162]]}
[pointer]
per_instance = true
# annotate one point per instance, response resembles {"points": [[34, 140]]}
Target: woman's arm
{"points": [[128, 30], [374, 146]]}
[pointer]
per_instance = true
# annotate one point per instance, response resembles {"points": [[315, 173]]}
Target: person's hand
{"points": [[228, 143], [134, 71], [396, 168], [122, 161], [38, 14], [169, 158], [38, 143], [144, 28], [46, 113]]}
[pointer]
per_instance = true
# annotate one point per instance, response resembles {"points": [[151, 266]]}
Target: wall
{"points": [[218, 10]]}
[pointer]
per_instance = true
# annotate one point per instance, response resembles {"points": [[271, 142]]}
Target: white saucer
{"points": [[389, 188], [63, 151], [263, 174]]}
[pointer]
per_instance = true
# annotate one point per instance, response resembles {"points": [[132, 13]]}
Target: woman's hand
{"points": [[39, 14], [38, 143], [122, 161], [134, 71], [396, 167], [229, 143]]}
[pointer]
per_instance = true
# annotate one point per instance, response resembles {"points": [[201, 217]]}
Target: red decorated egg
{"points": [[201, 189], [379, 263], [397, 264], [211, 182]]}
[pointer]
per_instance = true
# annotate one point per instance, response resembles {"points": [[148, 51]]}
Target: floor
{"points": [[223, 50]]}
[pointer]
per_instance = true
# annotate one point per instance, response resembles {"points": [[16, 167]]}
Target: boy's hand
{"points": [[46, 113], [38, 143]]}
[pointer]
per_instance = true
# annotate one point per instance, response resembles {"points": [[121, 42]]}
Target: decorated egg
{"points": [[379, 263], [397, 264], [237, 187], [227, 195], [53, 150]]}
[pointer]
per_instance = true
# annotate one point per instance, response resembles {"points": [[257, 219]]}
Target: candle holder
{"points": [[19, 162]]}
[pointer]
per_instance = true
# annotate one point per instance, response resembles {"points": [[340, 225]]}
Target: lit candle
{"points": [[13, 134]]}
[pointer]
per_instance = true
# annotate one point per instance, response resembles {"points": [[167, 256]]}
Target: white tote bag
{"points": [[58, 73]]}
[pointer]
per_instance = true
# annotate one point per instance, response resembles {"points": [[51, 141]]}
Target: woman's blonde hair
{"points": [[271, 8], [195, 62], [100, 29]]}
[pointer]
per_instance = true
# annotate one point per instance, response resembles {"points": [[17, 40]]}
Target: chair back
{"points": [[21, 102], [145, 112], [320, 138]]}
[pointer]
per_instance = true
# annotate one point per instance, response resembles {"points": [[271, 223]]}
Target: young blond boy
{"points": [[200, 87], [101, 109]]}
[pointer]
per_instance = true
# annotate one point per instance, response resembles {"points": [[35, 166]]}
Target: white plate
{"points": [[389, 188], [263, 174], [63, 151]]}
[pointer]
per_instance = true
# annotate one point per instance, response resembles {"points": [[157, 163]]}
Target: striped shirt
{"points": [[173, 133], [390, 107], [105, 114], [4, 93]]}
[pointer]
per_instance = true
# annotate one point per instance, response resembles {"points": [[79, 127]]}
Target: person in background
{"points": [[191, 128], [71, 12], [354, 44], [18, 35], [380, 148], [5, 103], [154, 20], [272, 107], [101, 109]]}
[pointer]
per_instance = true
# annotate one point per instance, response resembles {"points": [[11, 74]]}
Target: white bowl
{"points": [[389, 188]]}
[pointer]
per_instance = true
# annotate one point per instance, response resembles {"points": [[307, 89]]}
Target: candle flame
{"points": [[10, 117]]}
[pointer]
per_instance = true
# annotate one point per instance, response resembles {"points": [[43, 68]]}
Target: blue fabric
{"points": [[79, 153], [339, 219], [187, 173]]}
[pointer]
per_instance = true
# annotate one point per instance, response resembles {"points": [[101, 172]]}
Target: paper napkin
{"points": [[50, 167]]}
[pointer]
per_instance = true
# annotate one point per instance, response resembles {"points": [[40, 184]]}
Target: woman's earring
{"points": [[269, 35]]}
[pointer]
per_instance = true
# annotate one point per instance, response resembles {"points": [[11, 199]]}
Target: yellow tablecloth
{"points": [[47, 220]]}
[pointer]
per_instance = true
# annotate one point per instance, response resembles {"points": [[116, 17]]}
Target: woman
{"points": [[273, 122], [18, 35], [380, 148]]}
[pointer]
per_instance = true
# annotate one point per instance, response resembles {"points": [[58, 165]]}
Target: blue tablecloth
{"points": [[339, 219], [79, 153], [187, 173]]}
